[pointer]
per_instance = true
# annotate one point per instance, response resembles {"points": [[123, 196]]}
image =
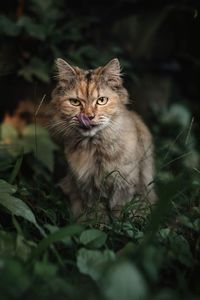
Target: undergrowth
{"points": [[45, 254]]}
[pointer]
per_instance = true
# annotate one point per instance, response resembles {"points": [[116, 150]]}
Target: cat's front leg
{"points": [[68, 186], [119, 198]]}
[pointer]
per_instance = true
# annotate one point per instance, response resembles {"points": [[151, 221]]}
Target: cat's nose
{"points": [[91, 117]]}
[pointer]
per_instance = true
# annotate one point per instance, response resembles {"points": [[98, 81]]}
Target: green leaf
{"points": [[15, 245], [8, 133], [16, 168], [93, 238], [6, 188], [54, 9], [127, 250], [181, 250], [17, 207], [164, 232], [196, 225], [45, 269], [14, 279], [6, 159], [124, 281], [57, 236], [35, 68], [177, 114], [153, 261], [23, 248], [33, 29], [167, 192], [7, 243], [94, 262], [38, 141], [10, 152], [184, 220], [8, 27], [52, 228]]}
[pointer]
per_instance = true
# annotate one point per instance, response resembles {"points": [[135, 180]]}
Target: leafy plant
{"points": [[148, 253], [154, 255]]}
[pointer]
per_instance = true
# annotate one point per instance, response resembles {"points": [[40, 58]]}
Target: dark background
{"points": [[157, 43]]}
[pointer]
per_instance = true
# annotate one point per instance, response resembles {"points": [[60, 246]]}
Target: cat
{"points": [[108, 148]]}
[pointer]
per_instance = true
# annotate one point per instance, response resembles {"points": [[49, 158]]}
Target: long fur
{"points": [[114, 157]]}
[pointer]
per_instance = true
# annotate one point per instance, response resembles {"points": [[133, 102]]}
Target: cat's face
{"points": [[88, 101]]}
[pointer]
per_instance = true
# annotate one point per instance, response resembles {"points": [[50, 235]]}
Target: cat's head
{"points": [[87, 101]]}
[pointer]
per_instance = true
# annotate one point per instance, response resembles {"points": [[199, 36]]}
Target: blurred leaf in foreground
{"points": [[124, 281], [94, 262], [37, 140], [93, 238]]}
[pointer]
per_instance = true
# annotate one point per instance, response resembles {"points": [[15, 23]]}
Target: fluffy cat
{"points": [[108, 148]]}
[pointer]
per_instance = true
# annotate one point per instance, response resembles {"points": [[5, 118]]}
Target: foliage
{"points": [[33, 40], [35, 138], [44, 254]]}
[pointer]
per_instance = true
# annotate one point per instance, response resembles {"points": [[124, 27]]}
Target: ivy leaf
{"points": [[93, 238]]}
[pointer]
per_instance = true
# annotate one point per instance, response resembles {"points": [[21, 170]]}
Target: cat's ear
{"points": [[112, 72], [65, 71]]}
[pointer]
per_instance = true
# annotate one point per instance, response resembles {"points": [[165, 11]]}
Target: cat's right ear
{"points": [[65, 71], [112, 72]]}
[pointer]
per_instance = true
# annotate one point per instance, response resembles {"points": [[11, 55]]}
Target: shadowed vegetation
{"points": [[149, 253]]}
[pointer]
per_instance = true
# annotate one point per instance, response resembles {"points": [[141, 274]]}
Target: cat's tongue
{"points": [[84, 120]]}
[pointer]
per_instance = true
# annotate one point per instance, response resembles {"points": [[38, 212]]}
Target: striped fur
{"points": [[112, 158]]}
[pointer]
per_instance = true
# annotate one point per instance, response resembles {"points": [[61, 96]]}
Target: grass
{"points": [[45, 254]]}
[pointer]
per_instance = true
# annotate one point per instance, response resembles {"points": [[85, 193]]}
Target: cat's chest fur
{"points": [[92, 160]]}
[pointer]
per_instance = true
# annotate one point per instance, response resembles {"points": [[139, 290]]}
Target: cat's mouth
{"points": [[85, 122], [88, 131], [87, 128]]}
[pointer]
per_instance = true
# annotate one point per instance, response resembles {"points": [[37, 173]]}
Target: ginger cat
{"points": [[108, 148]]}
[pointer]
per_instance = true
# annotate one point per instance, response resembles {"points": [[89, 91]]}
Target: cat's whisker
{"points": [[54, 124], [60, 127], [60, 123], [120, 144]]}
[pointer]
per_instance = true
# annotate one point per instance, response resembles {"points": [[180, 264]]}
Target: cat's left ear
{"points": [[65, 71], [112, 72]]}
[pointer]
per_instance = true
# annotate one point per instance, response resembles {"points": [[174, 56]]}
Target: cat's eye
{"points": [[74, 102], [102, 100]]}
